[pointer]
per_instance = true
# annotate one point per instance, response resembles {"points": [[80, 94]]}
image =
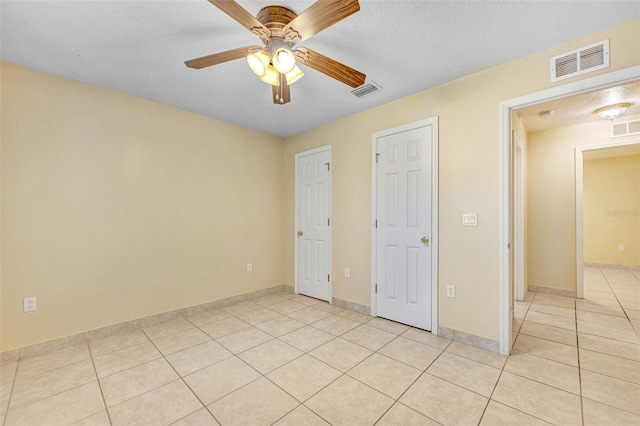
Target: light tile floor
{"points": [[291, 360]]}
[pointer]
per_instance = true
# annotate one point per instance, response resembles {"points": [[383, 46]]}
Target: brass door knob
{"points": [[424, 240], [300, 233]]}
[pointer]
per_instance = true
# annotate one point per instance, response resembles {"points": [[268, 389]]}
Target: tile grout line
{"points": [[104, 401], [13, 385]]}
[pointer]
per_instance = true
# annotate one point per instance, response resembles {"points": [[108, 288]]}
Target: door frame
{"points": [[433, 122], [518, 213], [504, 111], [328, 148], [579, 179]]}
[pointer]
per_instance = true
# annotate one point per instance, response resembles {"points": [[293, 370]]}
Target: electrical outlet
{"points": [[249, 267], [30, 304], [451, 291], [621, 248], [347, 273]]}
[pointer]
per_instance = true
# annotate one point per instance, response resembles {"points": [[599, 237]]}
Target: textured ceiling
{"points": [[579, 109], [139, 48]]}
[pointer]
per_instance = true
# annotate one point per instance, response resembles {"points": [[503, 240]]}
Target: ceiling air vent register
{"points": [[366, 89], [580, 61], [626, 128]]}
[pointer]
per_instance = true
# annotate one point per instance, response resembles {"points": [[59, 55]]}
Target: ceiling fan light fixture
{"points": [[610, 112], [270, 76], [283, 60], [294, 75], [258, 62]]}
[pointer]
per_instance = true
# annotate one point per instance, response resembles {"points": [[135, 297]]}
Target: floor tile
{"points": [[303, 377], [609, 320], [198, 357], [480, 355], [117, 342], [443, 401], [99, 419], [258, 316], [549, 299], [287, 307], [348, 402], [340, 354], [410, 352], [301, 416], [552, 373], [556, 334], [471, 375], [369, 337], [545, 402], [124, 359], [610, 346], [224, 327], [207, 317], [598, 414], [547, 349], [553, 310], [269, 356], [384, 374], [130, 383], [387, 325], [610, 365], [626, 334], [500, 414], [60, 409], [166, 328], [552, 320], [307, 338], [181, 340], [332, 309], [50, 361], [268, 300], [202, 417], [309, 315], [239, 308], [355, 316], [161, 406], [244, 339], [259, 403], [281, 325], [611, 391], [218, 380], [336, 324], [306, 300], [582, 305], [30, 389], [427, 338], [400, 414]]}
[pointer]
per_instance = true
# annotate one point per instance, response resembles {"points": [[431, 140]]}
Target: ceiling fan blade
{"points": [[330, 67], [240, 14], [219, 58], [320, 15], [281, 93]]}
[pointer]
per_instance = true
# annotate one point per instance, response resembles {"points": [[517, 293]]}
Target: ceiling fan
{"points": [[280, 29]]}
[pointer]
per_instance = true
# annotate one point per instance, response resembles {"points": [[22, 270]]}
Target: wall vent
{"points": [[365, 89], [626, 128], [580, 61]]}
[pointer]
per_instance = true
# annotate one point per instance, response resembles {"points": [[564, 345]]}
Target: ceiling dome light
{"points": [[294, 75], [283, 60], [610, 112], [270, 76], [258, 62]]}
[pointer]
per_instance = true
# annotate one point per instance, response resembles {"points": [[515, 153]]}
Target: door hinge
{"points": [[328, 166], [376, 288], [376, 223], [328, 277], [377, 156], [328, 222]]}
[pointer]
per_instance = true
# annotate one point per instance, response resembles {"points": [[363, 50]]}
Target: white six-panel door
{"points": [[403, 233], [313, 209]]}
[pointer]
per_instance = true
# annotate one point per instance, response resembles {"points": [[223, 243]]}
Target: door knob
{"points": [[424, 240], [300, 233]]}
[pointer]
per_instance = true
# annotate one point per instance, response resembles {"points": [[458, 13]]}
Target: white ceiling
{"points": [[139, 48]]}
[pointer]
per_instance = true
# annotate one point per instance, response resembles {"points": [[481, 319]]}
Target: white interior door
{"points": [[404, 226], [313, 221]]}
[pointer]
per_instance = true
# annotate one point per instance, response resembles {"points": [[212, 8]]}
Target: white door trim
{"points": [[324, 148], [518, 212], [433, 121], [579, 205], [504, 111]]}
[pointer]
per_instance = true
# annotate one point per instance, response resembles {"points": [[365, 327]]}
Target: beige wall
{"points": [[551, 211], [115, 208], [611, 206], [469, 179]]}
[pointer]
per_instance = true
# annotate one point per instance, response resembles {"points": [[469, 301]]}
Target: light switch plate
{"points": [[469, 219]]}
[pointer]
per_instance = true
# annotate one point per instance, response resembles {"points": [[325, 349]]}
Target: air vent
{"points": [[580, 61], [365, 89], [626, 128]]}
